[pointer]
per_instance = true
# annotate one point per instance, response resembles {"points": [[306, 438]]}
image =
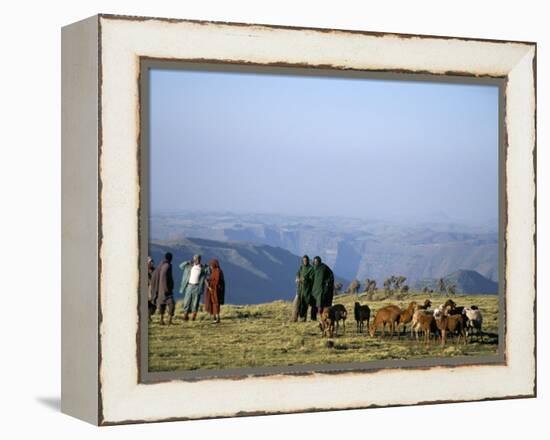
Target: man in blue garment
{"points": [[192, 285]]}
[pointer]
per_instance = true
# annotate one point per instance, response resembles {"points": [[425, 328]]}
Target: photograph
{"points": [[311, 219]]}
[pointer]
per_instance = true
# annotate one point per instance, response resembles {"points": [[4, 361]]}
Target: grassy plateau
{"points": [[264, 335]]}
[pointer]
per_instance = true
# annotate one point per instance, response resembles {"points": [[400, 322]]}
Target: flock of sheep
{"points": [[446, 320]]}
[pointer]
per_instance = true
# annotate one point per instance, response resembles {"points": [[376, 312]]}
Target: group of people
{"points": [[314, 288], [196, 279]]}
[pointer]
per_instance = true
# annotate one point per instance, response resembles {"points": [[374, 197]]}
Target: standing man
{"points": [[215, 290], [192, 285], [323, 284], [304, 280], [162, 288]]}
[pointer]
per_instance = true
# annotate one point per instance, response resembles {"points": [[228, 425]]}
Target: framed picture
{"points": [[265, 219]]}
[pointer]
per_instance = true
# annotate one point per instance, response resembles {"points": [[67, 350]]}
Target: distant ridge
{"points": [[354, 248], [254, 273], [466, 281]]}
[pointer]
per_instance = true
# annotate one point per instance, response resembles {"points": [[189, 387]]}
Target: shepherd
{"points": [[214, 296], [162, 288], [304, 280], [323, 285]]}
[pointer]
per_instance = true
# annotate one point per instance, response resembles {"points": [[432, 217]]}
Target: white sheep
{"points": [[474, 320], [438, 311]]}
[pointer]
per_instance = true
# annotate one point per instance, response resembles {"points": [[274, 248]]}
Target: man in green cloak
{"points": [[323, 284], [304, 280]]}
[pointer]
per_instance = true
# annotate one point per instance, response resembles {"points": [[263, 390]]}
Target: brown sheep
{"points": [[406, 316], [340, 314], [423, 321], [446, 322], [386, 315], [460, 310], [362, 313], [427, 304], [328, 318], [449, 303], [453, 308]]}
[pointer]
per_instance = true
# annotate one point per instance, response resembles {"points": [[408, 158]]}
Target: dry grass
{"points": [[264, 335]]}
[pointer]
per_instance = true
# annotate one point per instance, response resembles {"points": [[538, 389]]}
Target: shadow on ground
{"points": [[53, 403]]}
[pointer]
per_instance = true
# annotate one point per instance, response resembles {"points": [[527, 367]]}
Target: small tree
{"points": [[451, 289], [405, 288], [398, 281], [392, 285], [366, 285], [354, 286], [338, 287], [441, 286], [370, 287], [387, 287]]}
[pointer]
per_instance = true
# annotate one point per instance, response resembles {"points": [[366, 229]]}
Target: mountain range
{"points": [[354, 248], [465, 281], [261, 273]]}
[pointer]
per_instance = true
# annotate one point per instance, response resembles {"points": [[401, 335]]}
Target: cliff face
{"points": [[354, 248]]}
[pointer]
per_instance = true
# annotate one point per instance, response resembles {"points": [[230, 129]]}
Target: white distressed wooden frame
{"points": [[100, 133]]}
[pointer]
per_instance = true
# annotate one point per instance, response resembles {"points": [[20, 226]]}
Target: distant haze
{"points": [[319, 146]]}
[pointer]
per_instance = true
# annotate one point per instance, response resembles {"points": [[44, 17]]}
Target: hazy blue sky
{"points": [[323, 146]]}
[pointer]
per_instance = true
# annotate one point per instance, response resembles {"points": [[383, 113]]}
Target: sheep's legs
{"points": [[392, 329], [401, 330], [405, 330]]}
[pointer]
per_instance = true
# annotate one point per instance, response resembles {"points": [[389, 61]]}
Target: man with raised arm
{"points": [[192, 285]]}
